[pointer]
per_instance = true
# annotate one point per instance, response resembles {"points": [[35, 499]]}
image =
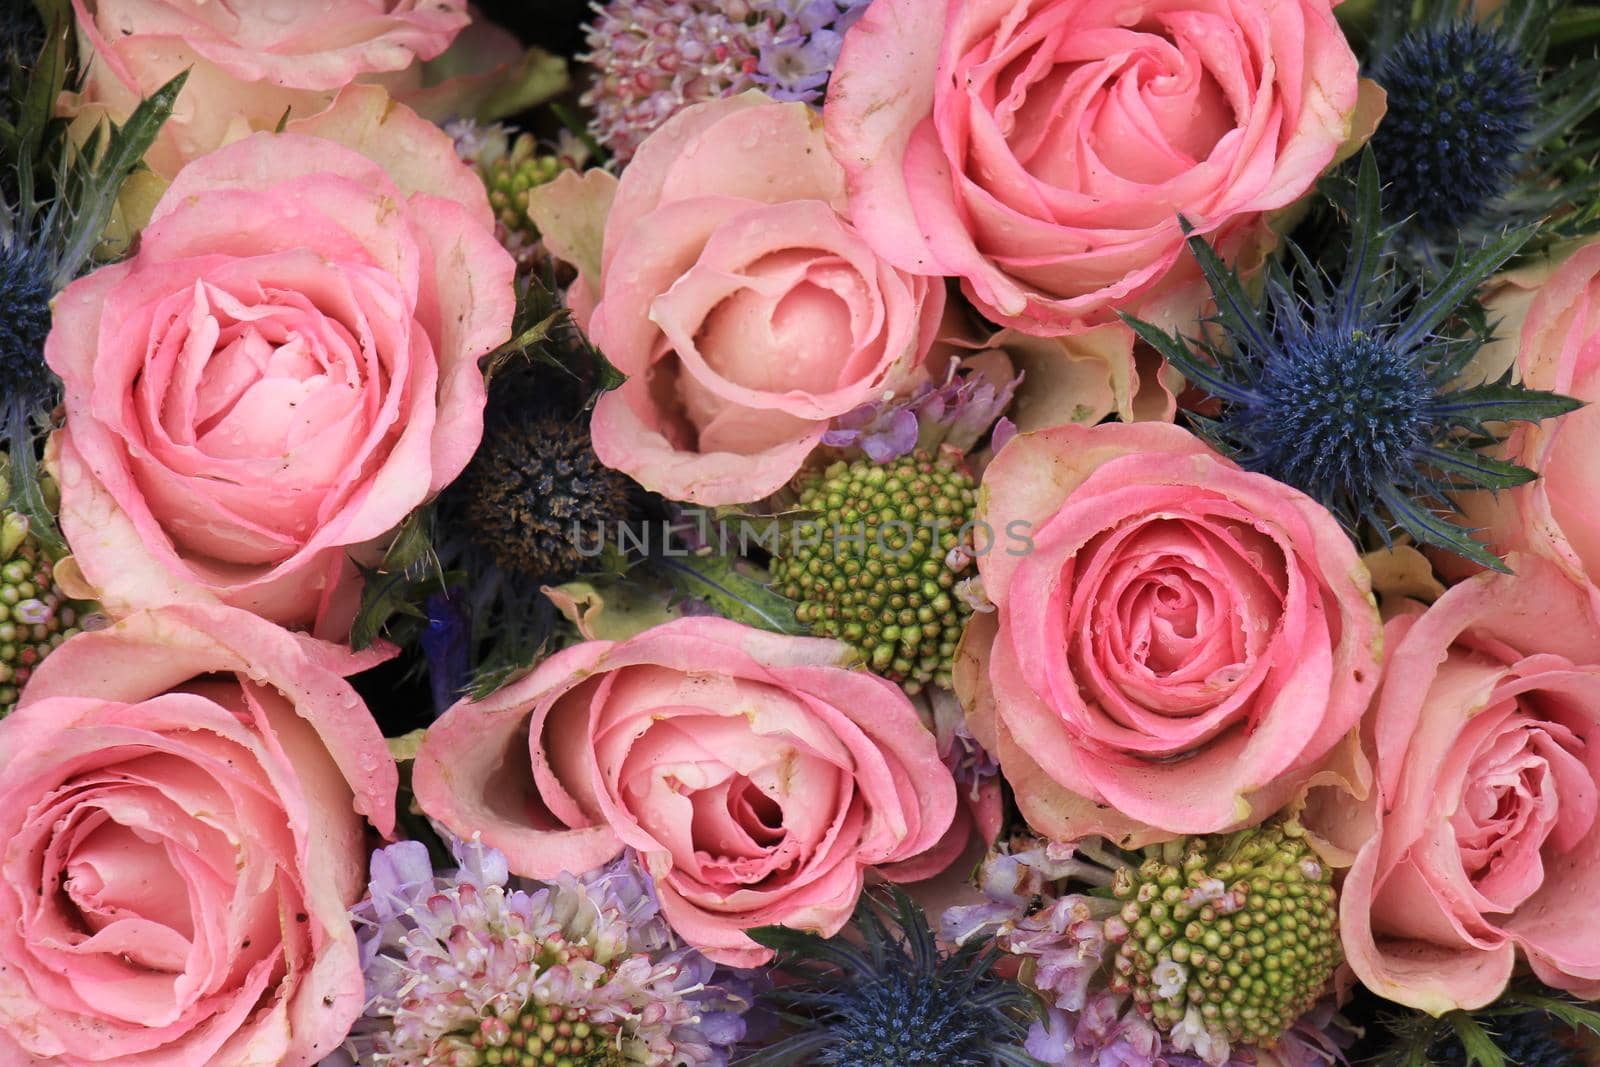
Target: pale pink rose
{"points": [[757, 778], [286, 367], [1550, 330], [743, 305], [181, 802], [1179, 646], [1042, 150], [1486, 740], [249, 63]]}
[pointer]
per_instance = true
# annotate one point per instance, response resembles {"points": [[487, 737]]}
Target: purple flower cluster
{"points": [[955, 414], [801, 45], [459, 968], [653, 58]]}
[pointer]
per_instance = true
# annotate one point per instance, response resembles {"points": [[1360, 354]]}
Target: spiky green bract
{"points": [[1236, 934], [1530, 1026], [1352, 392], [55, 201], [891, 998], [1483, 130], [878, 573]]}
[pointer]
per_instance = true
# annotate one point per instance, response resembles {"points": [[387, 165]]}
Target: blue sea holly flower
{"points": [[25, 290], [1352, 393], [1478, 130], [891, 998]]}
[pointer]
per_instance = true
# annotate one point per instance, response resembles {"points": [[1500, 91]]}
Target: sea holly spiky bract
{"points": [[1353, 391], [892, 998]]}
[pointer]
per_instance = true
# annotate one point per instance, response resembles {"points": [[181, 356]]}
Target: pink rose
{"points": [[1486, 739], [284, 370], [1550, 330], [1041, 150], [181, 802], [248, 63], [757, 778], [1178, 645], [740, 301]]}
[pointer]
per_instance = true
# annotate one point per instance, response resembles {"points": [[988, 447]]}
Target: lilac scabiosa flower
{"points": [[653, 58], [970, 763], [469, 970], [799, 54], [955, 414], [1108, 1032]]}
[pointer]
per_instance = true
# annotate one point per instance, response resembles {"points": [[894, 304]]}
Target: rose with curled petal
{"points": [[249, 63], [745, 308], [757, 778], [1042, 150], [283, 371], [1486, 740], [1550, 338], [1179, 646], [181, 802]]}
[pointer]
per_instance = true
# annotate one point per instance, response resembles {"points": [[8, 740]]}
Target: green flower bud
{"points": [[511, 176]]}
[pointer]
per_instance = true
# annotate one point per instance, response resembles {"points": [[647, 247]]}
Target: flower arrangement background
{"points": [[891, 533]]}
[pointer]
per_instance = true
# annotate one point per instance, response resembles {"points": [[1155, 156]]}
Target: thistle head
{"points": [[894, 999], [1461, 104], [535, 493], [25, 290], [1351, 390], [1340, 413]]}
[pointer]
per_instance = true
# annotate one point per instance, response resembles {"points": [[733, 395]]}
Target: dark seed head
{"points": [[1461, 101]]}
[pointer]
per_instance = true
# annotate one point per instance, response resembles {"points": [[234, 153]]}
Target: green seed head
{"points": [[34, 617], [873, 569], [511, 176], [1243, 928]]}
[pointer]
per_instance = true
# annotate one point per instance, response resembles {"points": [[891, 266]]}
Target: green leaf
{"points": [[1574, 25], [1479, 1045], [24, 485], [408, 573], [412, 544], [1411, 1036], [1502, 402], [1478, 470], [1177, 352], [102, 167], [46, 80], [1429, 528], [1235, 310], [528, 343], [794, 1051], [1575, 1015], [1458, 286], [728, 585], [1366, 241]]}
